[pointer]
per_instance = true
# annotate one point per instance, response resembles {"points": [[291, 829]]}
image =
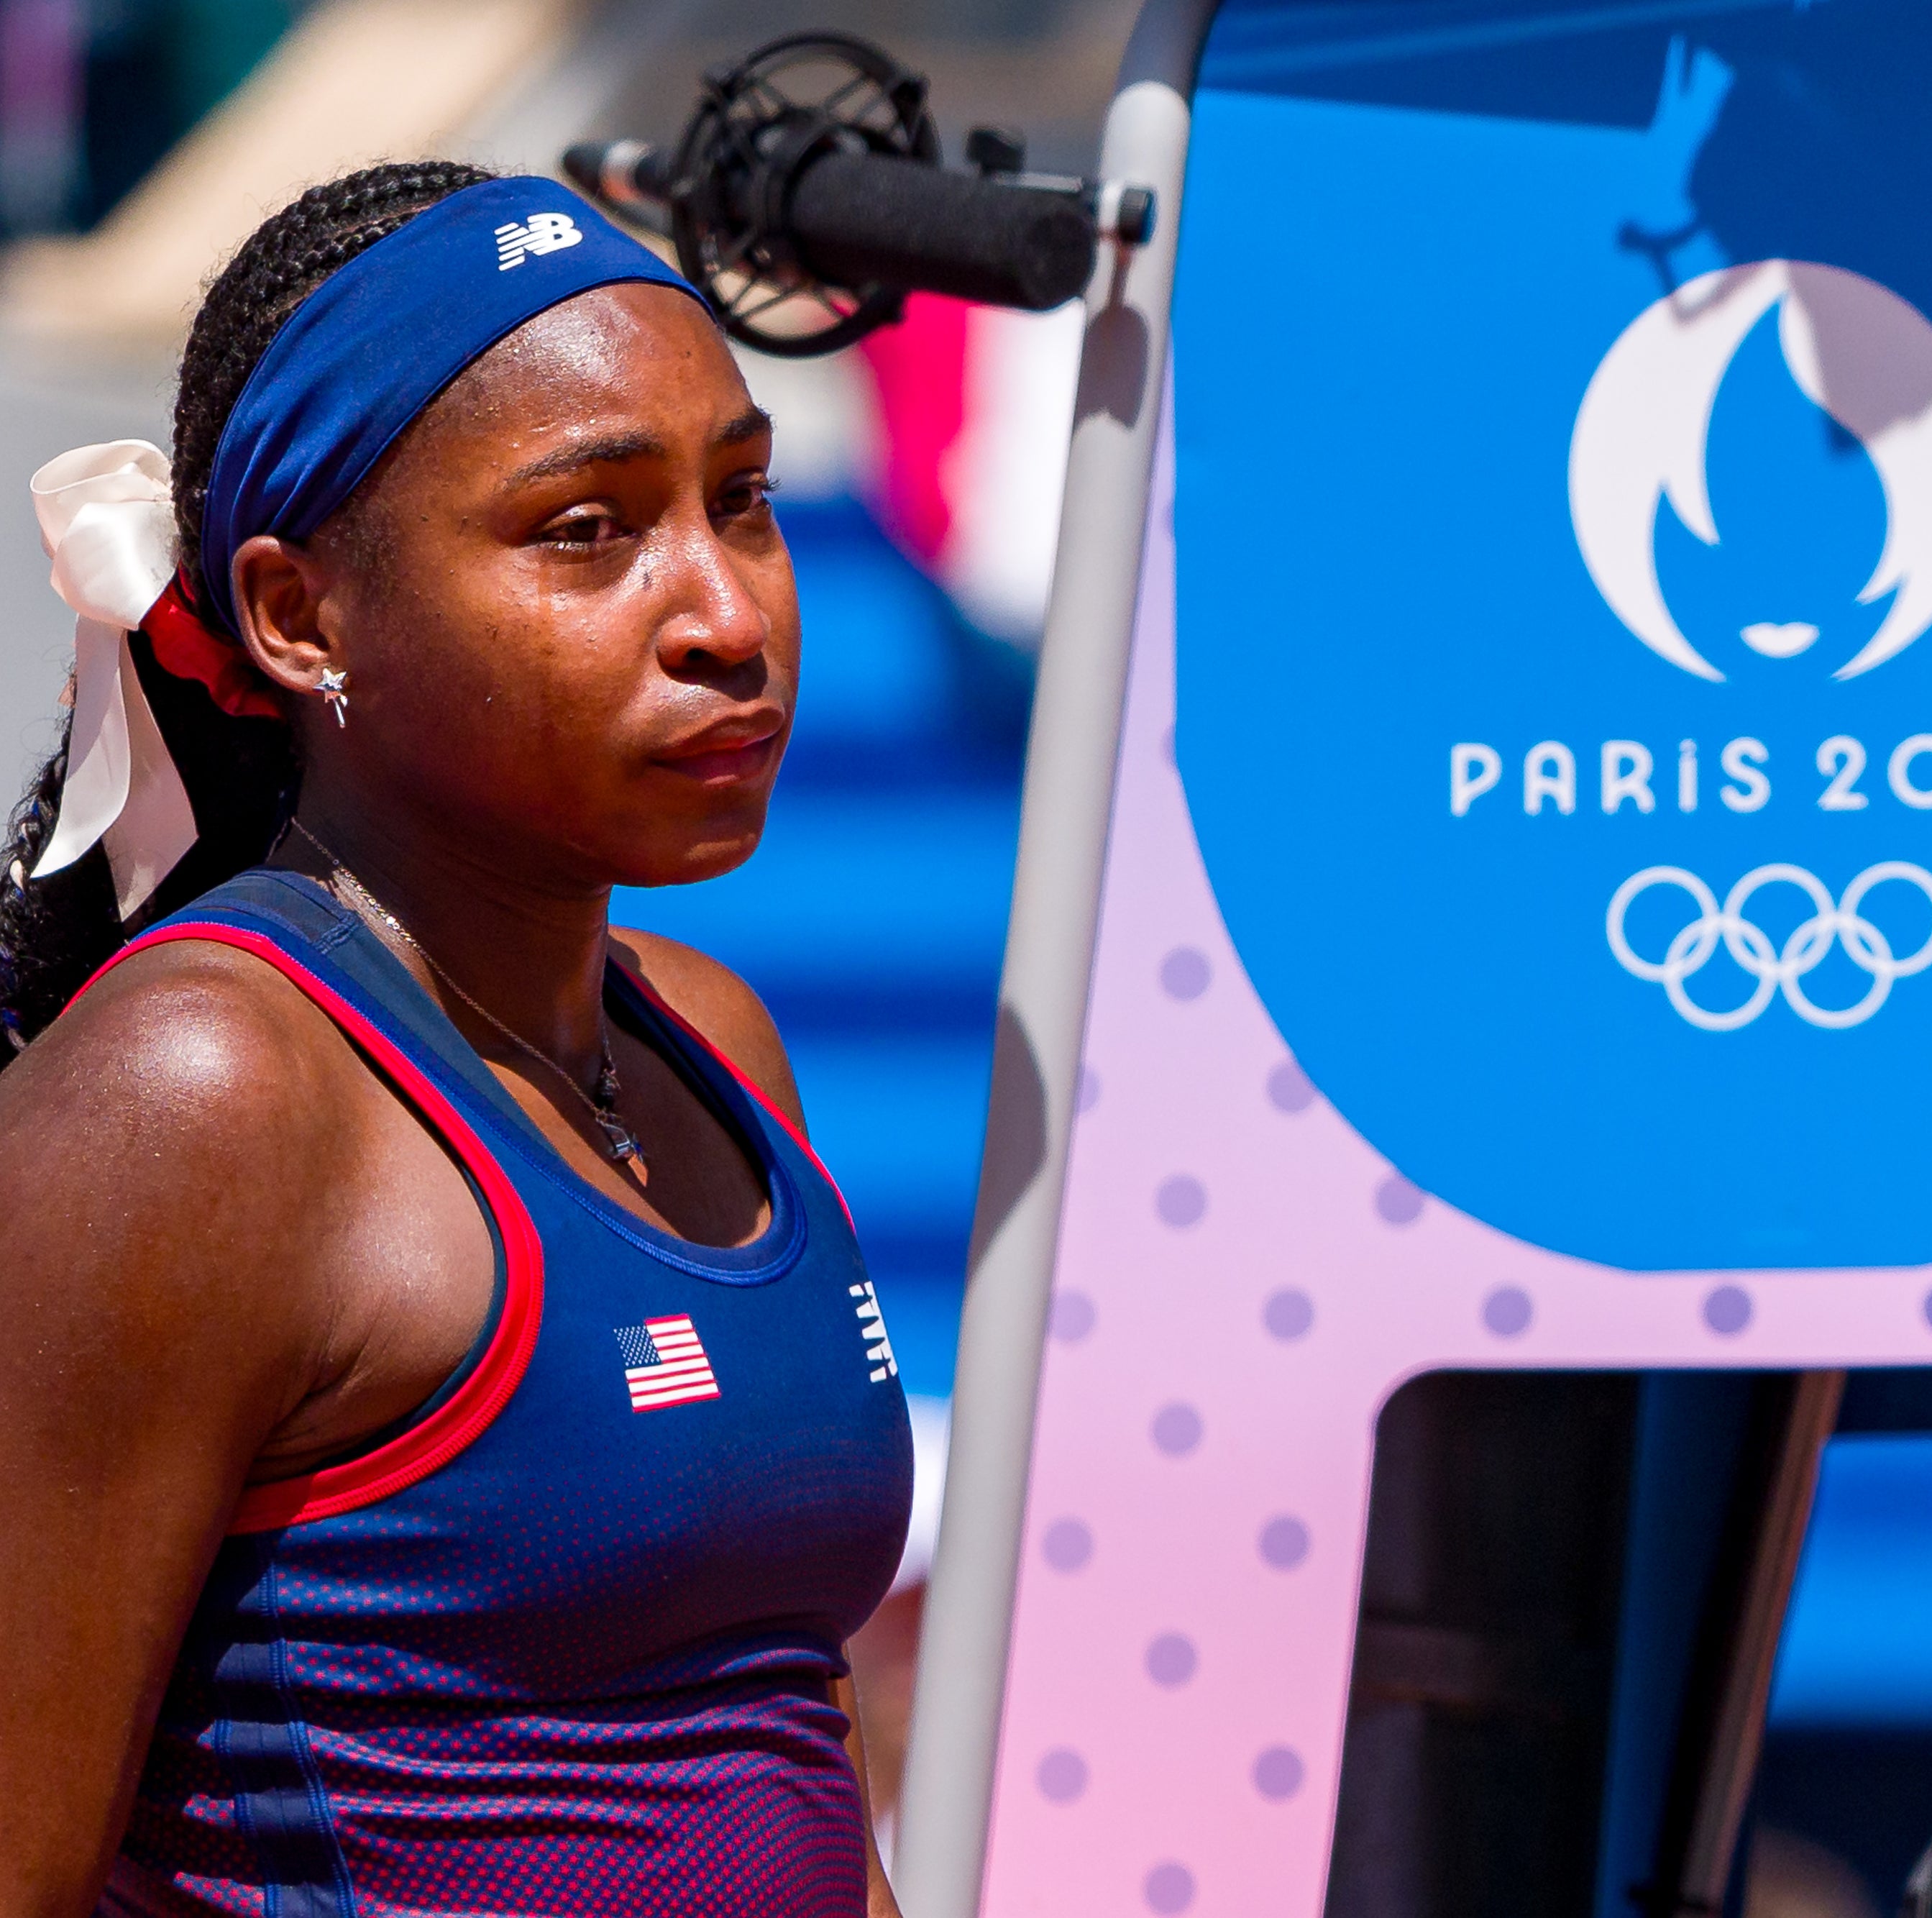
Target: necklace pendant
{"points": [[623, 1142]]}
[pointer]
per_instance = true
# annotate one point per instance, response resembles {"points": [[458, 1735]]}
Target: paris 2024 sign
{"points": [[1573, 813], [1516, 949]]}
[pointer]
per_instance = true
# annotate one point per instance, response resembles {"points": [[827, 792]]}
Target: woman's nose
{"points": [[712, 614]]}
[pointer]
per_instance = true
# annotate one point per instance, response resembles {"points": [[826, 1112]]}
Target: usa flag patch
{"points": [[665, 1364]]}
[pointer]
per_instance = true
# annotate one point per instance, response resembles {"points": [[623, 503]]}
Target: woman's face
{"points": [[565, 608]]}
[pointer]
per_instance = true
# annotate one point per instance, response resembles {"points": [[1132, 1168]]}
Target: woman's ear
{"points": [[279, 594]]}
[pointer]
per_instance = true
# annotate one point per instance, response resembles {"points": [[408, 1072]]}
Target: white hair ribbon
{"points": [[107, 520]]}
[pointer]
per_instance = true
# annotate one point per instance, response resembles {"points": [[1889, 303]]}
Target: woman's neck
{"points": [[531, 952]]}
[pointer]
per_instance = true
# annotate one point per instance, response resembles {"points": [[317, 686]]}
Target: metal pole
{"points": [[1729, 1730], [1068, 799]]}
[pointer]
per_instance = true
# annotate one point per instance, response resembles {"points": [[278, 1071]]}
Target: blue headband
{"points": [[379, 339]]}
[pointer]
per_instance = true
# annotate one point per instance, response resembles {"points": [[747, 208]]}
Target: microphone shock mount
{"points": [[806, 197]]}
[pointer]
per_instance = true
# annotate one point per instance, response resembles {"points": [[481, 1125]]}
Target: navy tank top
{"points": [[564, 1643]]}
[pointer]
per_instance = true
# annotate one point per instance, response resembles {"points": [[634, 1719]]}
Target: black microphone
{"points": [[866, 219], [860, 218], [805, 222]]}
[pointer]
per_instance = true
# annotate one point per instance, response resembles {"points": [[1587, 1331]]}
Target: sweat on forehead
{"points": [[377, 341], [592, 345]]}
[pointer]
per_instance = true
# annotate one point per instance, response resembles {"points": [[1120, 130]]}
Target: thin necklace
{"points": [[621, 1141]]}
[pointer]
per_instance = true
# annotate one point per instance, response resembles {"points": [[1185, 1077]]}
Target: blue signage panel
{"points": [[1553, 428]]}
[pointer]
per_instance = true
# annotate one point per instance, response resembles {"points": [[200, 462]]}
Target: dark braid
{"points": [[55, 931], [241, 773]]}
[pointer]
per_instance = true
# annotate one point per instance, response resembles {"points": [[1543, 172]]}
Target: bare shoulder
{"points": [[188, 1104], [713, 998], [191, 1036]]}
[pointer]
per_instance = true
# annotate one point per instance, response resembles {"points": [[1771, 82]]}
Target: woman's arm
{"points": [[164, 1165]]}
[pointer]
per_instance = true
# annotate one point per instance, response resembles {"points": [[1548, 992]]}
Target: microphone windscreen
{"points": [[858, 220]]}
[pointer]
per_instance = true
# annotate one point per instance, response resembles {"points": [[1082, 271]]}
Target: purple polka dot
{"points": [[1168, 1888], [1067, 1545], [1087, 1096], [1279, 1772], [1507, 1311], [1171, 1659], [1728, 1310], [1288, 1313], [1928, 1308], [1284, 1543], [1289, 1088], [1181, 1200], [1176, 1429], [1183, 974], [1167, 747], [1062, 1776], [1070, 1317], [1397, 1201]]}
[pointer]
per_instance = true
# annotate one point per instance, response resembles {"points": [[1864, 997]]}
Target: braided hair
{"points": [[241, 773]]}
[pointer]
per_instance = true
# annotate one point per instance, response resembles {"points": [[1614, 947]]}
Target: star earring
{"points": [[334, 688]]}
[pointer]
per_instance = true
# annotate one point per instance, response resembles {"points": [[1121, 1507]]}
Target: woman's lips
{"points": [[723, 760]]}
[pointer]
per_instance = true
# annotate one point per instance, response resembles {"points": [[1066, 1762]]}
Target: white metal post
{"points": [[1071, 754]]}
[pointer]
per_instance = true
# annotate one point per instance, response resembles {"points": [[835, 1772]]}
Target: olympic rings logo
{"points": [[1775, 970]]}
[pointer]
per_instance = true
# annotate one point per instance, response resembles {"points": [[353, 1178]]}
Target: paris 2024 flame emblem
{"points": [[1858, 352], [1863, 357]]}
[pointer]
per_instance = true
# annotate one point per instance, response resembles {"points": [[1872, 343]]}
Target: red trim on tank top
{"points": [[463, 1418], [744, 1078]]}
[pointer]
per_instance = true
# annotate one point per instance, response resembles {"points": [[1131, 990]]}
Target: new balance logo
{"points": [[872, 1329], [543, 232]]}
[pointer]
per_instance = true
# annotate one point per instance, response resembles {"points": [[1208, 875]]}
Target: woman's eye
{"points": [[583, 529], [743, 497]]}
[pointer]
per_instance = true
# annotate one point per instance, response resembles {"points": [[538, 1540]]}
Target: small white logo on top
{"points": [[872, 1329], [542, 233]]}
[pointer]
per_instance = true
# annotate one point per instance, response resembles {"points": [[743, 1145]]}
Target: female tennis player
{"points": [[446, 1432]]}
